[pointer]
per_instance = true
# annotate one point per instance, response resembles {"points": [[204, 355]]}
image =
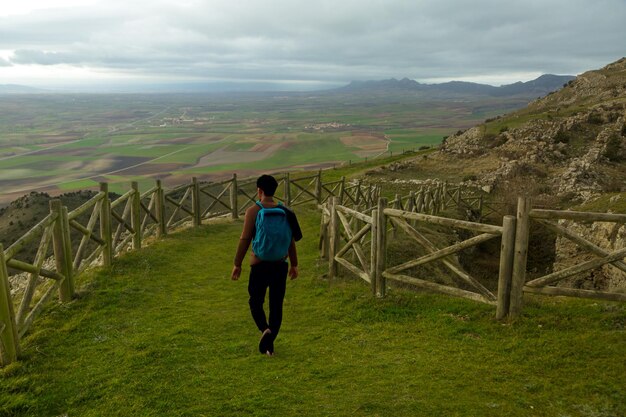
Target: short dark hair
{"points": [[268, 184]]}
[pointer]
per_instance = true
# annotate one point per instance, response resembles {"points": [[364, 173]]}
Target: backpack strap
{"points": [[258, 203]]}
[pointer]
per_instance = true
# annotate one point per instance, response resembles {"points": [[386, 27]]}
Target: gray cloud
{"points": [[332, 41]]}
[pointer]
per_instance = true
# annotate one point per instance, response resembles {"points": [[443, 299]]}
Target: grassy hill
{"points": [[166, 332]]}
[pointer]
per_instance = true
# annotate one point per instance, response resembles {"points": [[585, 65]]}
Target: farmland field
{"points": [[57, 143]]}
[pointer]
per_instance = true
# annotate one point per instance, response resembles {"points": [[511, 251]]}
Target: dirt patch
{"points": [[222, 156], [366, 145], [261, 147], [378, 135], [109, 165]]}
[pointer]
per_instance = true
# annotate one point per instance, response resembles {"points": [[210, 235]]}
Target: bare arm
{"points": [[244, 241], [293, 253], [293, 260]]}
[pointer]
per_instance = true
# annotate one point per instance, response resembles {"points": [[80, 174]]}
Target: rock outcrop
{"points": [[567, 137], [608, 236]]}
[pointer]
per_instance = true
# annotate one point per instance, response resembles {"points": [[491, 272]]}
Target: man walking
{"points": [[273, 230]]}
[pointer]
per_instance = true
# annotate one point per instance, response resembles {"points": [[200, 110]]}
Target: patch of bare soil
{"points": [[367, 145], [222, 156], [261, 147]]}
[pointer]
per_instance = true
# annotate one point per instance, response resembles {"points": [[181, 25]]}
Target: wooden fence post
{"points": [[333, 232], [507, 254], [381, 246], [397, 204], [342, 189], [9, 339], [62, 251], [234, 198], [444, 191], [410, 206], [442, 197], [287, 190], [521, 256], [105, 225], [427, 200], [318, 187], [373, 252], [160, 210], [135, 215], [419, 204], [323, 244], [195, 202]]}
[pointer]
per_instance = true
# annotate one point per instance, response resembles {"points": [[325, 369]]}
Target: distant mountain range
{"points": [[19, 89], [537, 87]]}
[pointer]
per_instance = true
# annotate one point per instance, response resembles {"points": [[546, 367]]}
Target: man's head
{"points": [[267, 184]]}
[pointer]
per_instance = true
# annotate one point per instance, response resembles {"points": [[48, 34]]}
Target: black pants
{"points": [[264, 275]]}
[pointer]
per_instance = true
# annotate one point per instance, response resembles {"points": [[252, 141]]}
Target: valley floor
{"points": [[166, 332]]}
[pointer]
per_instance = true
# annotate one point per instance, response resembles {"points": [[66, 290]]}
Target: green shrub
{"points": [[562, 136], [614, 150], [595, 118]]}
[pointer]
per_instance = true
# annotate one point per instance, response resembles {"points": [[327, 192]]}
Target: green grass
{"points": [[78, 184], [608, 202], [166, 332]]}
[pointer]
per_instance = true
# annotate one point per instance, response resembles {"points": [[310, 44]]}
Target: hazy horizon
{"points": [[214, 87]]}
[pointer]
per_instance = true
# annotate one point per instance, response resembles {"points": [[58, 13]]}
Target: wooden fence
{"points": [[100, 229], [435, 198], [544, 285], [343, 235]]}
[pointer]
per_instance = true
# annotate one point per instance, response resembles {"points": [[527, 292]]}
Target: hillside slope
{"points": [[571, 143], [23, 214]]}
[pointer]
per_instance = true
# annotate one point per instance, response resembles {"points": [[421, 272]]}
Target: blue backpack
{"points": [[273, 234]]}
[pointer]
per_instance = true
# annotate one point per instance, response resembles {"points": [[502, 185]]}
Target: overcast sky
{"points": [[308, 43]]}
